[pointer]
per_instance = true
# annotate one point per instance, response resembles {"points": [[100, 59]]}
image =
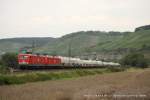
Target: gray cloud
{"points": [[54, 18]]}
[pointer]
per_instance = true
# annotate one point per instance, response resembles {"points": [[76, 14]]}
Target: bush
{"points": [[9, 60], [6, 79], [135, 60], [34, 77], [115, 69], [3, 69]]}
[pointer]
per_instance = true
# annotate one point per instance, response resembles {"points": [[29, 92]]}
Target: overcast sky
{"points": [[54, 18]]}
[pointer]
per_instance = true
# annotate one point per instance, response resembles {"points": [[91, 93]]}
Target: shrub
{"points": [[6, 79], [135, 59], [9, 60], [115, 69], [3, 69], [34, 77]]}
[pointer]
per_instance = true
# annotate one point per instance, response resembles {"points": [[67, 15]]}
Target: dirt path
{"points": [[118, 86]]}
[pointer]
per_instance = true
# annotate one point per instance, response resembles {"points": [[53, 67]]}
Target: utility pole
{"points": [[33, 46], [69, 51]]}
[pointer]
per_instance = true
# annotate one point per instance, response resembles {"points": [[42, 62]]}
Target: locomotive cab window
{"points": [[23, 57]]}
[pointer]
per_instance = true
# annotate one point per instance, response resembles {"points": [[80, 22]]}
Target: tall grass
{"points": [[3, 69], [43, 76]]}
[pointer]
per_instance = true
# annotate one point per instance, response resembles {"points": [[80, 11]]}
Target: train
{"points": [[30, 61]]}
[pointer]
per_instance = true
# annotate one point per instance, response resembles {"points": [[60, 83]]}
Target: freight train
{"points": [[27, 61]]}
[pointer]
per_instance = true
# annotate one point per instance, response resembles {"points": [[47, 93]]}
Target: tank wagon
{"points": [[27, 61]]}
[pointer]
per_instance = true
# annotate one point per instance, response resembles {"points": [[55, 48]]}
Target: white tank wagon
{"points": [[114, 64], [77, 62]]}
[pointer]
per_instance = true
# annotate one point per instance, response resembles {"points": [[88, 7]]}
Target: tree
{"points": [[9, 60], [146, 27], [135, 59]]}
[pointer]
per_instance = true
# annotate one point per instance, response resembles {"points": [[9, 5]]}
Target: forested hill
{"points": [[13, 44], [83, 42], [80, 42]]}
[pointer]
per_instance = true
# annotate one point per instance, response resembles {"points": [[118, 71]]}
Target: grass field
{"points": [[7, 79], [128, 85]]}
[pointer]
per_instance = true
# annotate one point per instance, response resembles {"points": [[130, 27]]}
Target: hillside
{"points": [[133, 40], [96, 41], [13, 44], [79, 42], [84, 42]]}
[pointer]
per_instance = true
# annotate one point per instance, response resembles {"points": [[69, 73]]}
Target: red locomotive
{"points": [[26, 60]]}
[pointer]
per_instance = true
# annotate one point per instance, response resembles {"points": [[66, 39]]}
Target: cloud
{"points": [[41, 19], [59, 17]]}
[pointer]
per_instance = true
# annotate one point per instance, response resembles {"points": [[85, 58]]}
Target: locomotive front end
{"points": [[23, 59]]}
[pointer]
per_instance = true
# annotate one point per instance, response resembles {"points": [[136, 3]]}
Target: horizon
{"points": [[62, 35]]}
